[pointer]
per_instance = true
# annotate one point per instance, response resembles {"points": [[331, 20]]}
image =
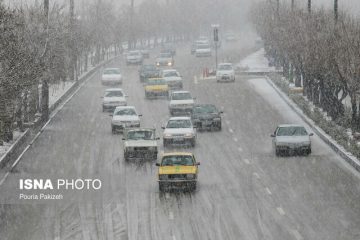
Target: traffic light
{"points": [[216, 35]]}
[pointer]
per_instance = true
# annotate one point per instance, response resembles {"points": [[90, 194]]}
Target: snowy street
{"points": [[244, 191]]}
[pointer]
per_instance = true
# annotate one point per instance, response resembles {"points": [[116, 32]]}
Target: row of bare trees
{"points": [[322, 49]]}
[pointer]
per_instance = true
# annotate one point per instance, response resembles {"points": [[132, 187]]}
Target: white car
{"points": [[291, 138], [124, 117], [140, 143], [181, 102], [111, 76], [225, 73], [134, 57], [172, 78], [179, 131], [203, 50], [113, 97]]}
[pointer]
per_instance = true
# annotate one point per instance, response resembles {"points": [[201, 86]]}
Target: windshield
{"points": [[181, 96], [114, 94], [204, 46], [165, 55], [205, 109], [180, 123], [149, 67], [177, 161], [225, 67], [141, 135], [156, 82], [111, 71], [291, 131], [124, 112], [134, 53], [171, 74]]}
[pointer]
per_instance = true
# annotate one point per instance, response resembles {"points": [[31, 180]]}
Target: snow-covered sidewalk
{"points": [[255, 63]]}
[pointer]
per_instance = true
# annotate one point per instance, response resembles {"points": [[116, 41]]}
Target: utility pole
{"points": [[73, 73], [336, 10], [292, 5], [45, 85], [131, 37], [277, 6], [309, 6]]}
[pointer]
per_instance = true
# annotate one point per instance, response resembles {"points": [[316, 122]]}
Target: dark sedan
{"points": [[206, 116], [148, 71]]}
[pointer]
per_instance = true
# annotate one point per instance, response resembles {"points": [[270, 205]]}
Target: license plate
{"points": [[178, 139]]}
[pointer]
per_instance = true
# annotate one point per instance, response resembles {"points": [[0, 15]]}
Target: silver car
{"points": [[291, 138]]}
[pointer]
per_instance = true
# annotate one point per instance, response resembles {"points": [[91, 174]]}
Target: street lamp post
{"points": [[216, 40]]}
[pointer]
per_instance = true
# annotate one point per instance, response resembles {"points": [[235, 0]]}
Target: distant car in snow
{"points": [[179, 131], [111, 76], [178, 170], [181, 102], [148, 71], [172, 78], [291, 138], [206, 116], [165, 59], [203, 50], [113, 97], [134, 57], [140, 143], [225, 73], [124, 117]]}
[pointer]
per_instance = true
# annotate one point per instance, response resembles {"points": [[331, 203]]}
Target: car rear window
{"points": [[177, 161]]}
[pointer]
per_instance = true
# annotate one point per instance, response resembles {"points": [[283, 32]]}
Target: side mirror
{"points": [[123, 138], [157, 138], [163, 127], [311, 134], [157, 164], [140, 115], [111, 114], [272, 135], [221, 112], [197, 164]]}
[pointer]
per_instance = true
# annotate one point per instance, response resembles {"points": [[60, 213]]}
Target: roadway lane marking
{"points": [[230, 130], [268, 191], [281, 211], [256, 175], [235, 139], [297, 235], [246, 161], [171, 215]]}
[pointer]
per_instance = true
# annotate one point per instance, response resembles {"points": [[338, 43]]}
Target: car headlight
{"points": [[167, 135], [190, 176], [189, 135], [157, 64], [169, 63], [163, 176]]}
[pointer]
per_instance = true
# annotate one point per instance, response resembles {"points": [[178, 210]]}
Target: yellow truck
{"points": [[156, 87], [178, 170]]}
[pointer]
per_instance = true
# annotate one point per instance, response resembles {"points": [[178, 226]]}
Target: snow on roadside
{"points": [[57, 90], [255, 62], [7, 145]]}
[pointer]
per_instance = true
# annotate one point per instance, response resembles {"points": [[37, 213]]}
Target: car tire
{"points": [[165, 143], [113, 130], [161, 187], [308, 152], [192, 187], [193, 142], [277, 152]]}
